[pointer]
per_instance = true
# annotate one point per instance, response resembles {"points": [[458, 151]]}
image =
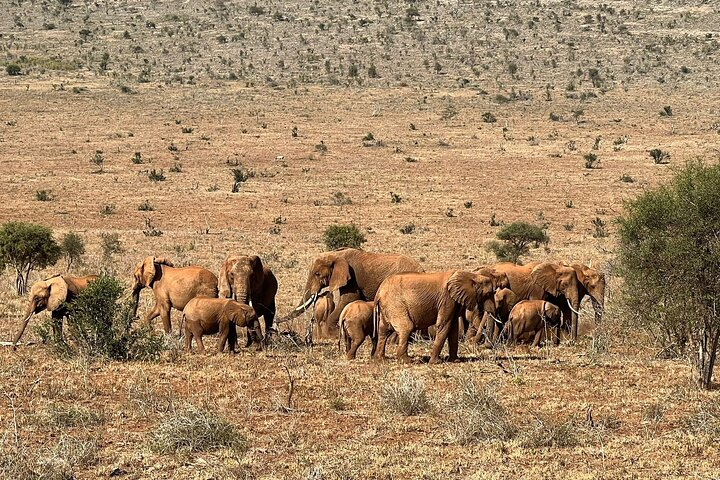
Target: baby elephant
{"points": [[206, 316], [356, 323], [530, 319]]}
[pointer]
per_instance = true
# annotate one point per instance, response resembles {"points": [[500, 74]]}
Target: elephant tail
{"points": [[182, 324], [376, 324], [341, 331]]}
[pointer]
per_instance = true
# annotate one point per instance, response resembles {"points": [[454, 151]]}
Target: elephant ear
{"points": [[58, 293], [462, 289], [148, 271], [340, 273], [257, 266], [224, 278], [546, 276]]}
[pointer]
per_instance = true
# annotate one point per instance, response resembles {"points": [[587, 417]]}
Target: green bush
{"points": [[73, 247], [669, 256], [516, 239], [27, 247], [13, 69], [340, 236], [100, 325]]}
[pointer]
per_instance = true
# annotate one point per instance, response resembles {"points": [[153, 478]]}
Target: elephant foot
{"points": [[405, 359], [454, 359], [434, 360]]}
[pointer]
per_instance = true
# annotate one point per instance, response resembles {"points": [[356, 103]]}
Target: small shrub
{"points": [[407, 229], [406, 394], [476, 415], [569, 226], [550, 432], [591, 160], [339, 198], [213, 188], [187, 129], [240, 176], [705, 421], [666, 111], [410, 159], [60, 416], [110, 245], [176, 168], [73, 247], [626, 178], [13, 69], [151, 230], [569, 204], [137, 158], [395, 198], [192, 429], [488, 117], [369, 137], [107, 209], [516, 240], [659, 156], [599, 228], [554, 117], [321, 148], [98, 160], [156, 175], [43, 195], [493, 221], [340, 236], [468, 204], [146, 207]]}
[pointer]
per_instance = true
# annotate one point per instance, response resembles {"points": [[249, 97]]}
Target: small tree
{"points": [[516, 240], [73, 246], [670, 259], [339, 236], [26, 247]]}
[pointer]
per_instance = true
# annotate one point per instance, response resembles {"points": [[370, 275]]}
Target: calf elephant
{"points": [[351, 274], [356, 323], [172, 287], [414, 301], [323, 308], [531, 320], [206, 316], [52, 294], [505, 300], [245, 279]]}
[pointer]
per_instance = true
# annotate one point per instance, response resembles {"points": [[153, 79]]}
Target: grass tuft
{"points": [[406, 394]]}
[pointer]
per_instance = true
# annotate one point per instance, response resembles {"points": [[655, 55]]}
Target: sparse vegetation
{"points": [[591, 160], [73, 248], [405, 394], [659, 156], [156, 175], [43, 195], [517, 238], [488, 117]]}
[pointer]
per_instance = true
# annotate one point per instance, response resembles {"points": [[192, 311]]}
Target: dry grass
{"points": [[405, 394]]}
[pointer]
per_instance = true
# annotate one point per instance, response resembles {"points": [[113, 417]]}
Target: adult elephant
{"points": [[567, 285], [351, 274], [172, 287], [413, 301], [505, 300], [52, 294], [245, 279]]}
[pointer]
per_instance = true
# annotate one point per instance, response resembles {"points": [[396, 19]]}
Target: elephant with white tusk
{"points": [[52, 294]]}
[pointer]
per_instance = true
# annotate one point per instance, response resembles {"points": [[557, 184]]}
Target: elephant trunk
{"points": [[24, 323], [136, 299], [241, 294]]}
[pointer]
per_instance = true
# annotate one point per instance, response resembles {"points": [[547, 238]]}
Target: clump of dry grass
{"points": [[550, 432], [191, 429], [475, 414], [406, 394], [58, 415], [56, 463], [705, 421]]}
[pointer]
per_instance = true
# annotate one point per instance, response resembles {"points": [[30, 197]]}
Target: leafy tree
{"points": [[516, 240], [339, 236], [26, 247], [670, 258], [73, 246]]}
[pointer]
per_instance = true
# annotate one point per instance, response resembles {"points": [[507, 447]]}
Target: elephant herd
{"points": [[352, 295]]}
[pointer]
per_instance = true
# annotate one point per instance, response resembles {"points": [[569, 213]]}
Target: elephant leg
{"points": [[165, 316], [556, 338], [188, 340], [574, 327], [232, 338], [152, 314], [491, 331], [536, 340], [200, 344], [402, 348], [445, 319], [383, 332], [222, 340], [352, 351], [453, 340]]}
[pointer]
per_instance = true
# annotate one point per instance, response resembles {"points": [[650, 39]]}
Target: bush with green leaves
{"points": [[340, 236], [73, 247], [669, 254], [100, 324], [516, 239], [27, 247]]}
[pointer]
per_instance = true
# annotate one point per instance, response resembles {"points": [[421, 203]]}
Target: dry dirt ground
{"points": [[452, 170]]}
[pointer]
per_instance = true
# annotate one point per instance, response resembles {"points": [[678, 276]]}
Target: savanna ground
{"points": [[203, 91]]}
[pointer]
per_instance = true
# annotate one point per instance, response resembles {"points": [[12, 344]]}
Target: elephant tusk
{"points": [[305, 305], [495, 319], [571, 307]]}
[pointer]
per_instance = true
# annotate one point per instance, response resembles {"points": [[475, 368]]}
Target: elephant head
{"points": [[144, 276], [593, 284], [240, 314], [552, 313], [500, 279], [47, 294], [505, 300], [560, 280], [472, 290], [240, 276], [330, 271]]}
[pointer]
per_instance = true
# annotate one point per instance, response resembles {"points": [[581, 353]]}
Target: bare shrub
{"points": [[705, 421], [191, 429], [406, 394], [58, 415], [476, 415], [52, 462], [551, 432]]}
